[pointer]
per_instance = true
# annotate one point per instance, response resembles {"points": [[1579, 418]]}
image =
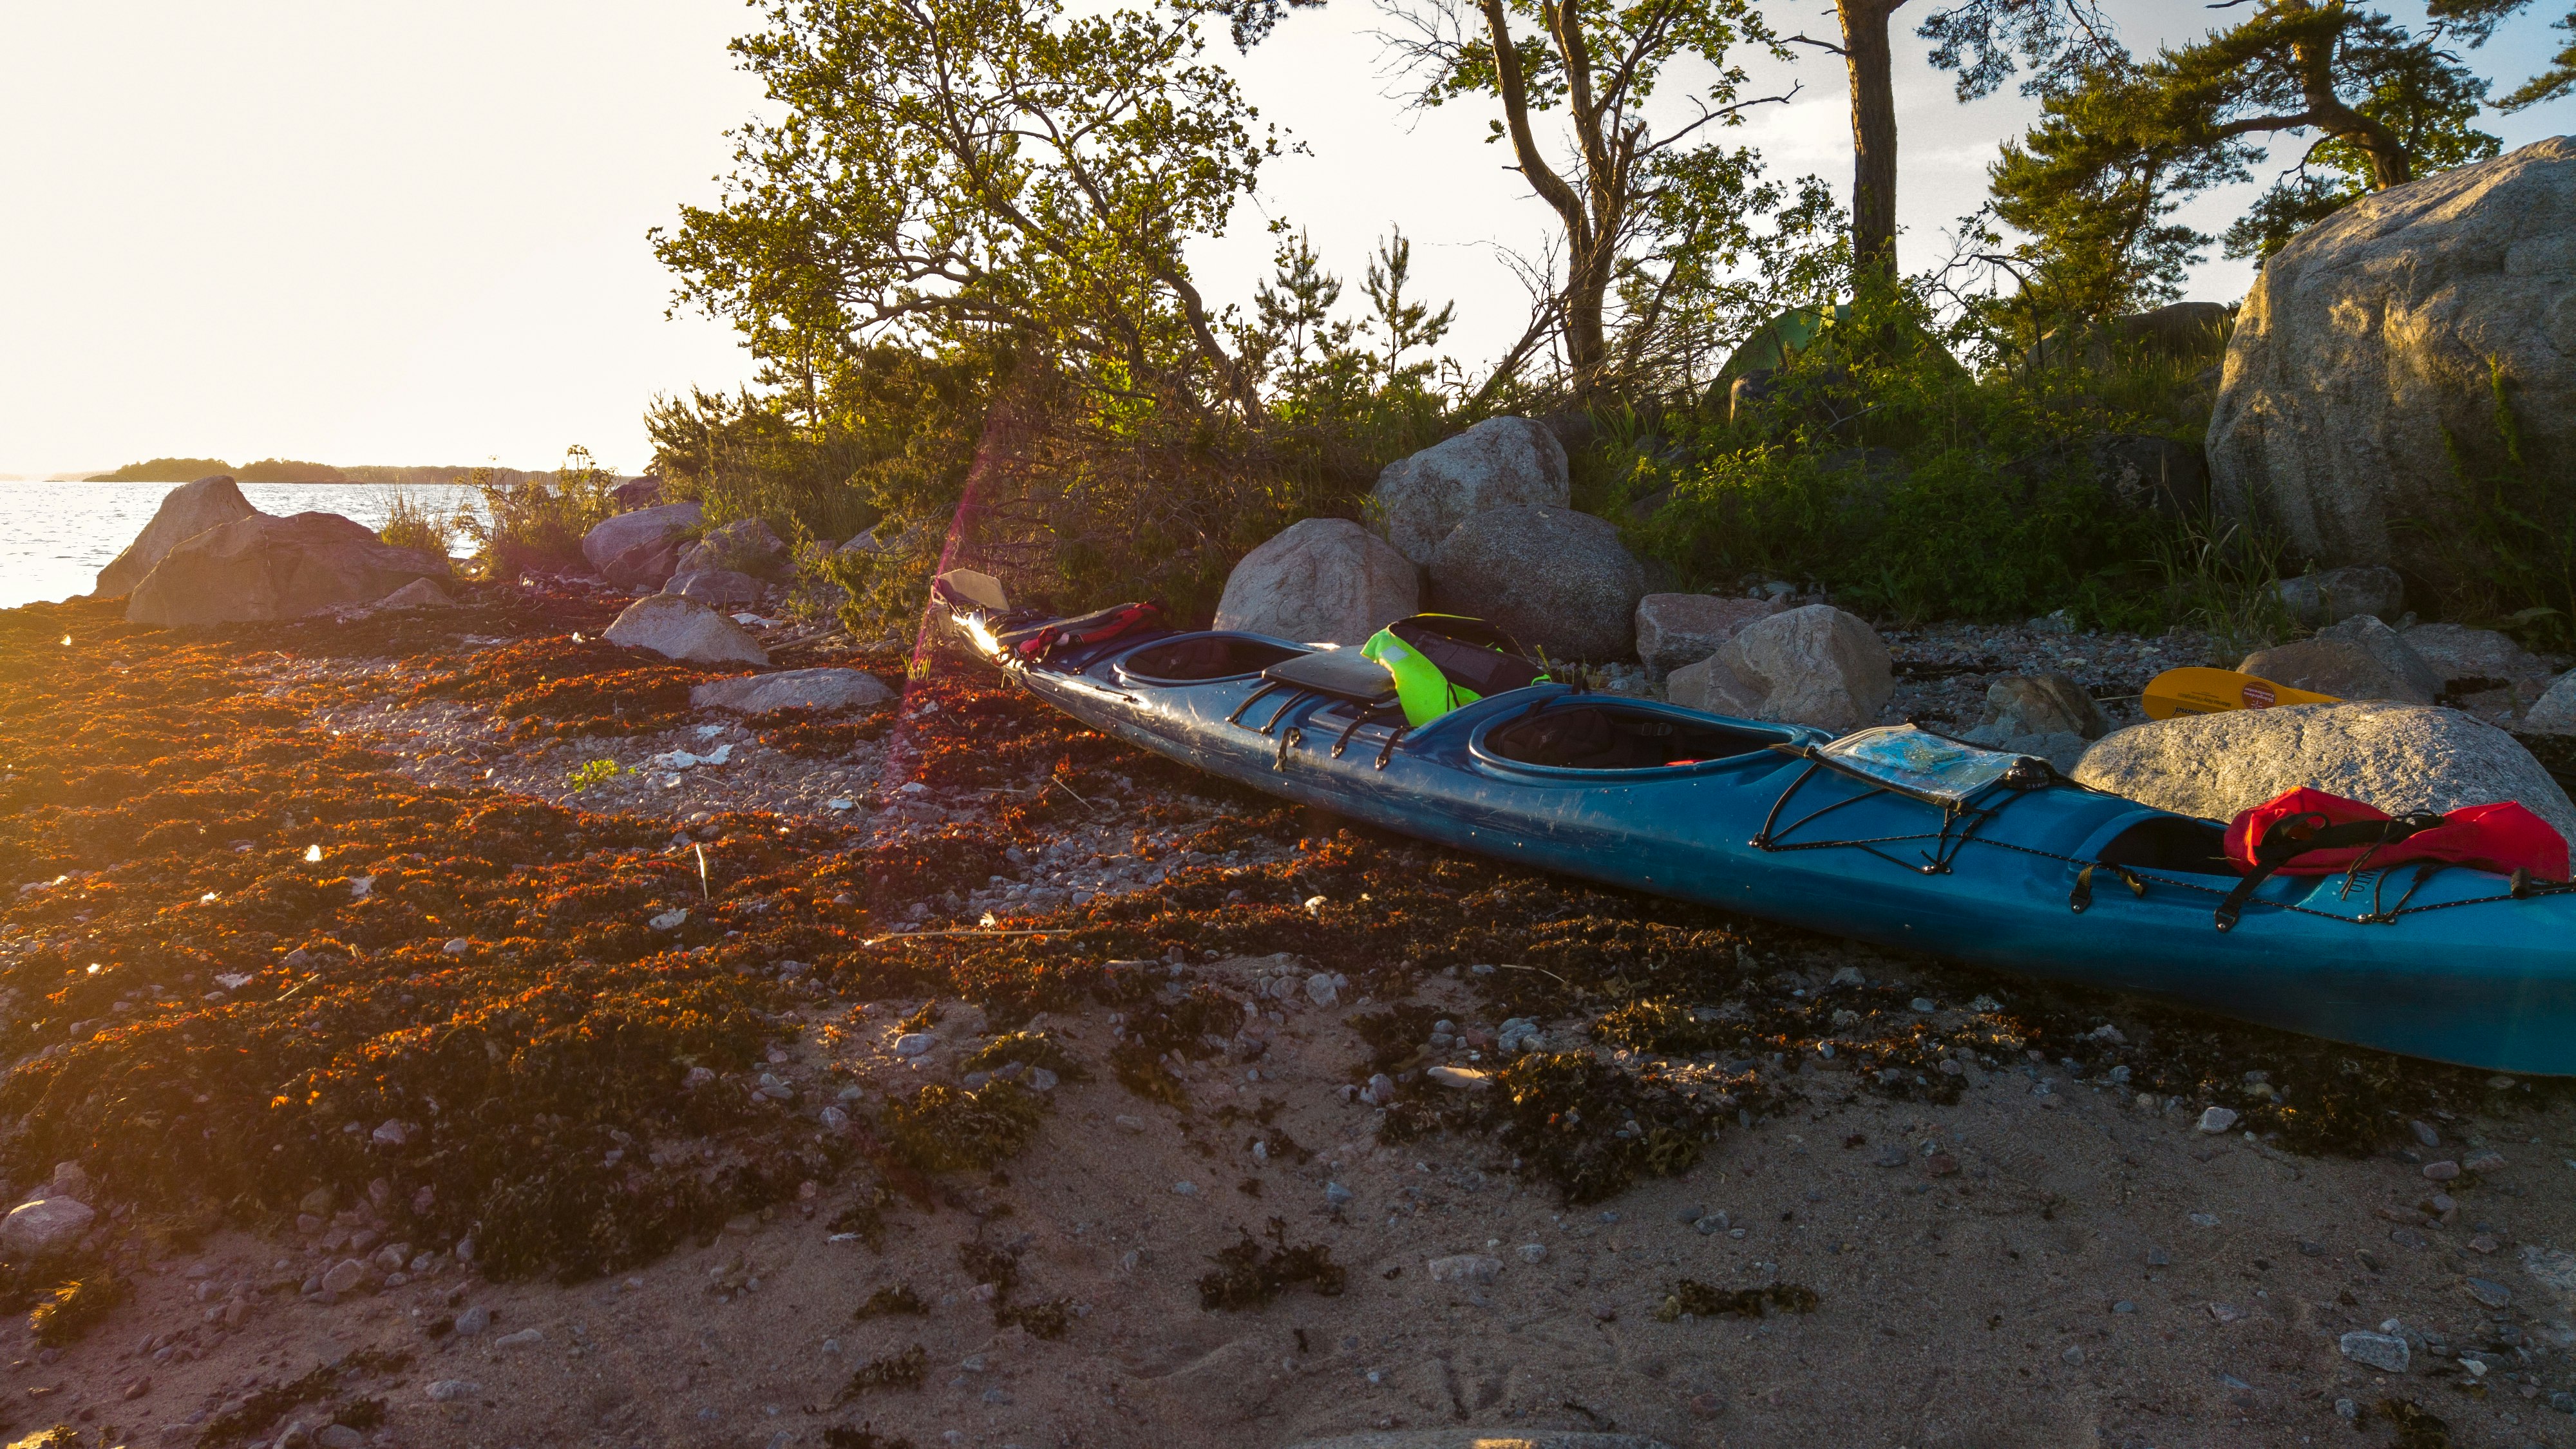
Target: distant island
{"points": [[289, 470]]}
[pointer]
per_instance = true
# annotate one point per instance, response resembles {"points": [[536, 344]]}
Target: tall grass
{"points": [[411, 523], [536, 521]]}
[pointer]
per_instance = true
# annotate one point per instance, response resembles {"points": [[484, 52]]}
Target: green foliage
{"points": [[1879, 468], [534, 520], [592, 774], [2510, 551], [165, 470]]}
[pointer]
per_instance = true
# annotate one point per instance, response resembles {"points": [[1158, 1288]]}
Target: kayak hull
{"points": [[2457, 976]]}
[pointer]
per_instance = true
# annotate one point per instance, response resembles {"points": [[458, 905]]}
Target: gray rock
{"points": [[524, 1338], [1320, 581], [2318, 599], [418, 594], [637, 493], [2364, 349], [2489, 1292], [1674, 630], [1815, 666], [2554, 713], [1485, 1438], [45, 1226], [2216, 1120], [2458, 653], [262, 568], [1466, 1268], [2397, 757], [2359, 658], [683, 629], [2038, 704], [1498, 463], [759, 694], [347, 1275], [746, 546], [642, 547], [914, 1043], [2383, 1351], [473, 1320], [449, 1391], [1552, 578], [716, 588], [186, 511], [338, 1436], [1322, 990]]}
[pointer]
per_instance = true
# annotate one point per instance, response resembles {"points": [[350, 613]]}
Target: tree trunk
{"points": [[1873, 112]]}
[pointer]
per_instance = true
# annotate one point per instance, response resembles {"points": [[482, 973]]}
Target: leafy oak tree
{"points": [[946, 170]]}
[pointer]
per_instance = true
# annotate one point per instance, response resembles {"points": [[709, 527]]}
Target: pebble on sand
{"points": [[2382, 1351], [2216, 1120]]}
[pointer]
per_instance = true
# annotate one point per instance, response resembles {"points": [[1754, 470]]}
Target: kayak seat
{"points": [[1591, 737], [1196, 658], [2172, 843], [1340, 673]]}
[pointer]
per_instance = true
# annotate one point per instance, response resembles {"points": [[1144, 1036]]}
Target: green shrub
{"points": [[411, 523]]}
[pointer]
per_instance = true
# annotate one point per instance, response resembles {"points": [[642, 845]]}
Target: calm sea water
{"points": [[55, 537]]}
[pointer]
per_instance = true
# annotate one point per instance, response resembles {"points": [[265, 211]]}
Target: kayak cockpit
{"points": [[2158, 841], [1203, 659], [1594, 734]]}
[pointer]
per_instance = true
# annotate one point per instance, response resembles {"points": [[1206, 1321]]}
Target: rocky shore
{"points": [[936, 1072]]}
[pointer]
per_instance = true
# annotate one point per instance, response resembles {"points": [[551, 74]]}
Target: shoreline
{"points": [[720, 1135]]}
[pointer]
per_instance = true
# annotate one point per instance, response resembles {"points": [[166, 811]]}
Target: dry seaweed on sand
{"points": [[1694, 1299], [898, 1298], [956, 1129], [1029, 1049], [842, 1436], [903, 1370], [1250, 1274], [263, 1407], [75, 1308], [1584, 1126], [2416, 1429]]}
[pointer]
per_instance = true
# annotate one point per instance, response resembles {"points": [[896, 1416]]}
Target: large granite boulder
{"points": [[2335, 595], [1678, 629], [2554, 713], [2360, 658], [684, 629], [1320, 581], [2399, 757], [1552, 578], [1498, 463], [643, 547], [264, 567], [2364, 349], [1813, 666], [744, 546], [817, 689], [186, 511]]}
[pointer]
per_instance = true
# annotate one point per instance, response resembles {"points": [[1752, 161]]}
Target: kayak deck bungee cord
{"points": [[1894, 836]]}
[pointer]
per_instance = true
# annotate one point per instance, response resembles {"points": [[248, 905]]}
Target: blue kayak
{"points": [[1897, 837]]}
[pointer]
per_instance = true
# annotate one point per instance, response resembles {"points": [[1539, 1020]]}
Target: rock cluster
{"points": [[264, 568], [185, 512], [1815, 665]]}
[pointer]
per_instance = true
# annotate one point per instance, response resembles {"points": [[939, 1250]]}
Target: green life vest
{"points": [[1441, 661]]}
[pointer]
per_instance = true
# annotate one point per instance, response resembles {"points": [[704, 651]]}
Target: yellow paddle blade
{"points": [[2210, 691]]}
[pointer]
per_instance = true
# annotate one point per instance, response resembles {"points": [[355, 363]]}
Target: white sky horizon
{"points": [[360, 235]]}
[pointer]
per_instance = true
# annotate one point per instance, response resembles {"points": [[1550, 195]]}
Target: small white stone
{"points": [[2216, 1120], [1533, 1252], [914, 1043]]}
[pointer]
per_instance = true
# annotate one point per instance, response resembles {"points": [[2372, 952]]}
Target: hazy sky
{"points": [[388, 233]]}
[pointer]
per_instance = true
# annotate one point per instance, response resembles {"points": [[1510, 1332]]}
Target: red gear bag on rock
{"points": [[2309, 832]]}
